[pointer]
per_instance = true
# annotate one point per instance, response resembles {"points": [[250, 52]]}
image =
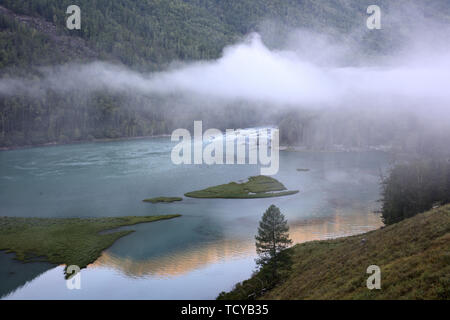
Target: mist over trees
{"points": [[414, 187], [150, 35]]}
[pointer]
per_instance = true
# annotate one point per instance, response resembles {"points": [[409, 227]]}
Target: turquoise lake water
{"points": [[196, 256]]}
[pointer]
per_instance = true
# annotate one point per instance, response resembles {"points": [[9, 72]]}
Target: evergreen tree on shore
{"points": [[271, 241]]}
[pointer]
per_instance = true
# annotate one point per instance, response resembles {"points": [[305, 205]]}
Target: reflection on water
{"points": [[178, 263], [199, 273], [14, 275], [210, 248], [339, 225]]}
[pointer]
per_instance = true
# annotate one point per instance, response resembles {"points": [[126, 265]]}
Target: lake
{"points": [[196, 256]]}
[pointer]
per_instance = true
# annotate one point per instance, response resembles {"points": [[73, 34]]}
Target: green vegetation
{"points": [[163, 199], [150, 33], [274, 260], [255, 187], [415, 187], [71, 241], [271, 243], [414, 257]]}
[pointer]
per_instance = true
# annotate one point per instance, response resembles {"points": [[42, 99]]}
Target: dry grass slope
{"points": [[414, 257]]}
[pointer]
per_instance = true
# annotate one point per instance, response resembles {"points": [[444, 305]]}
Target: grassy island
{"points": [[69, 241], [255, 187], [163, 199]]}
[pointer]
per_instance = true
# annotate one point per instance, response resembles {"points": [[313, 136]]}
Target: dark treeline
{"points": [[78, 116], [415, 187], [52, 116], [25, 121]]}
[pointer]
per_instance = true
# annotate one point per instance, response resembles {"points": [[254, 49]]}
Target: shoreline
{"points": [[286, 148], [28, 237], [347, 258], [334, 149], [53, 144]]}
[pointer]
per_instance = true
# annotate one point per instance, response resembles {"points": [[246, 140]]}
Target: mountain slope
{"points": [[413, 255], [150, 33]]}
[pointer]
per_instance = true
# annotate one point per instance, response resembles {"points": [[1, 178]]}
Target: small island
{"points": [[255, 187], [69, 241], [163, 199]]}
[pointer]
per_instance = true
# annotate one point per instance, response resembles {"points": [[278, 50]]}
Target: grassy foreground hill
{"points": [[413, 255]]}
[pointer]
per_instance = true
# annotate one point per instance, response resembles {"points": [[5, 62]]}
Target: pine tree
{"points": [[272, 239]]}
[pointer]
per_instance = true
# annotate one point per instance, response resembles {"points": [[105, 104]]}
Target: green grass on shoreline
{"points": [[69, 241], [255, 187], [163, 199]]}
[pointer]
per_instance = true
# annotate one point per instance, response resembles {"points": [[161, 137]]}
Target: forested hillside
{"points": [[147, 36]]}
